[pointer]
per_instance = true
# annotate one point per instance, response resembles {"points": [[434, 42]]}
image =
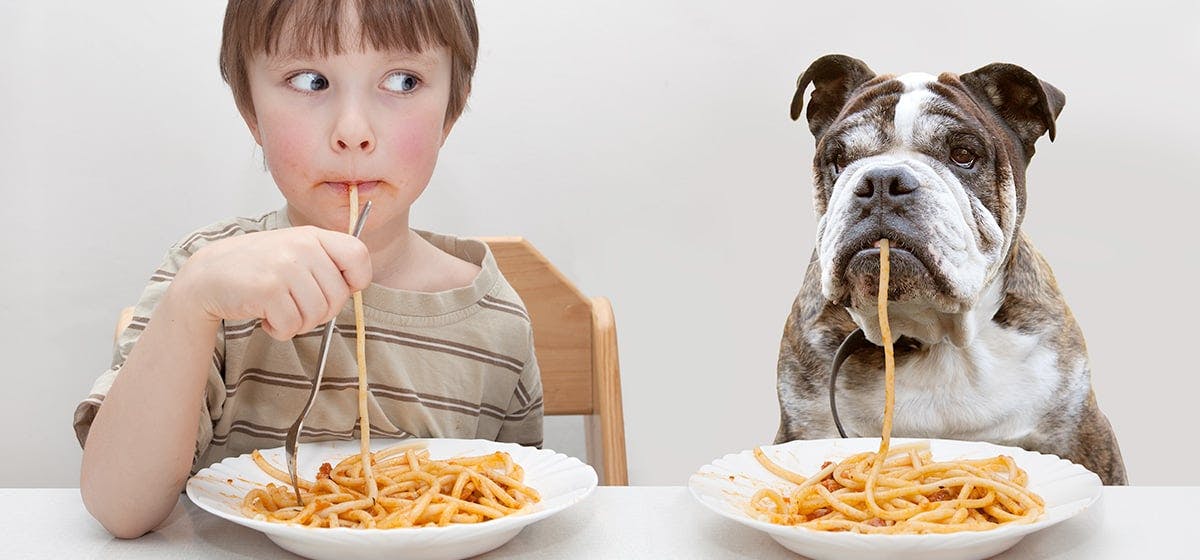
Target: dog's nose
{"points": [[886, 182]]}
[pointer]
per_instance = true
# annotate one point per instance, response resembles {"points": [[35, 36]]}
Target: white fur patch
{"points": [[987, 391], [915, 80], [911, 104]]}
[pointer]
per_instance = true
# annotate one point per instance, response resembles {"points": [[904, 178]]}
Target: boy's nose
{"points": [[360, 140], [364, 145], [353, 133]]}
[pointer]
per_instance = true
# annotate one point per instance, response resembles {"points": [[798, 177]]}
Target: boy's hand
{"points": [[293, 279]]}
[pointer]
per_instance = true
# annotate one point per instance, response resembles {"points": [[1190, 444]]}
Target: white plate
{"points": [[1067, 489], [562, 482]]}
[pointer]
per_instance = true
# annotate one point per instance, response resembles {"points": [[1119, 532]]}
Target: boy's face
{"points": [[376, 118]]}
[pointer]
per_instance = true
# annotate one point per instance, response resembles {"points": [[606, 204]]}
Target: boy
{"points": [[337, 93]]}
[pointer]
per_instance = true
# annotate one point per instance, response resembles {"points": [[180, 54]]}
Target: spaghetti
{"points": [[395, 487], [360, 344], [414, 491], [899, 490]]}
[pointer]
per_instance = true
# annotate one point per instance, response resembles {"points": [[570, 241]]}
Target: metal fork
{"points": [[326, 337]]}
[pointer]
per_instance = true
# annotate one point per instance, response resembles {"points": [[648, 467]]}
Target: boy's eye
{"points": [[309, 81], [400, 82]]}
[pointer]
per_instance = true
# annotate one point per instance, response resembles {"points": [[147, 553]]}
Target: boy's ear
{"points": [[252, 124], [446, 129]]}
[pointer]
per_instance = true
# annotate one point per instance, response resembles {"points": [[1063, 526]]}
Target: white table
{"points": [[616, 522]]}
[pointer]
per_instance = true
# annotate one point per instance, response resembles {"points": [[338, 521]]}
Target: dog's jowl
{"points": [[986, 347]]}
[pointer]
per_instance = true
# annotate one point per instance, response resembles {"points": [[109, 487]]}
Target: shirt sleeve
{"points": [[523, 418], [214, 391]]}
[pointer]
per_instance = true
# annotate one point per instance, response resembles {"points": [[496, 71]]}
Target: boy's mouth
{"points": [[343, 187]]}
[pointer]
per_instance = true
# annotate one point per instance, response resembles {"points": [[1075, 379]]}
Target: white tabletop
{"points": [[616, 522]]}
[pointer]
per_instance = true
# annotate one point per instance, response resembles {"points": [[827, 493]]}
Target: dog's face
{"points": [[936, 165]]}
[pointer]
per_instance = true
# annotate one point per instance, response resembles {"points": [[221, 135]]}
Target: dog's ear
{"points": [[1028, 105], [834, 77]]}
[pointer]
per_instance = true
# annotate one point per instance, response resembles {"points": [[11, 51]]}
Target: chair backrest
{"points": [[575, 338]]}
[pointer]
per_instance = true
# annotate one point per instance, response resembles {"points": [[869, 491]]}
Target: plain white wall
{"points": [[645, 148]]}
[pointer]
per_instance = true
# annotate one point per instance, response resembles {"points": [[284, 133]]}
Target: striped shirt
{"points": [[456, 364]]}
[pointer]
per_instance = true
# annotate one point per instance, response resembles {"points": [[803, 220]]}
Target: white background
{"points": [[645, 148]]}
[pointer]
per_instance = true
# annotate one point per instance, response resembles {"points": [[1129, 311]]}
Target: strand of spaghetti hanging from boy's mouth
{"points": [[364, 421]]}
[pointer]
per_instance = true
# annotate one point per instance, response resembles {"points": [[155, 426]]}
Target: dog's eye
{"points": [[962, 157], [838, 162]]}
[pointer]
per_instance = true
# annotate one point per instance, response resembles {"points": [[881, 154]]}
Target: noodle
{"points": [[414, 491], [360, 343], [899, 490]]}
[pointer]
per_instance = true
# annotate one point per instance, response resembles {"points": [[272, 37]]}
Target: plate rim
{"points": [[795, 533], [509, 522]]}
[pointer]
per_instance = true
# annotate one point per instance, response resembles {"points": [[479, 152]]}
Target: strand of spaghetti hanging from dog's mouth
{"points": [[360, 339], [921, 495], [889, 375]]}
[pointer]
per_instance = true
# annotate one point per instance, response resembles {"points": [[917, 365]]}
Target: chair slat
{"points": [[562, 324]]}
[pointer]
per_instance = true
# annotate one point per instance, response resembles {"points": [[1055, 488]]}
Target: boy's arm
{"points": [[141, 443], [523, 419]]}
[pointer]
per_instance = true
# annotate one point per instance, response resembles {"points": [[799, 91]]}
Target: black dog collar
{"points": [[854, 342]]}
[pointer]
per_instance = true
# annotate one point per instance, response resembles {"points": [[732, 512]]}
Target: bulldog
{"points": [[986, 347]]}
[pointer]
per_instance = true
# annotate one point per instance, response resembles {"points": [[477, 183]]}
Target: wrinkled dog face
{"points": [[934, 164], [913, 168]]}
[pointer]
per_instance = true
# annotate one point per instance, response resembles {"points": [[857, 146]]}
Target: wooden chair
{"points": [[576, 345]]}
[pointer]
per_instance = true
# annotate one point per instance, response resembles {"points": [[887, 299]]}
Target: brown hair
{"points": [[257, 26]]}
